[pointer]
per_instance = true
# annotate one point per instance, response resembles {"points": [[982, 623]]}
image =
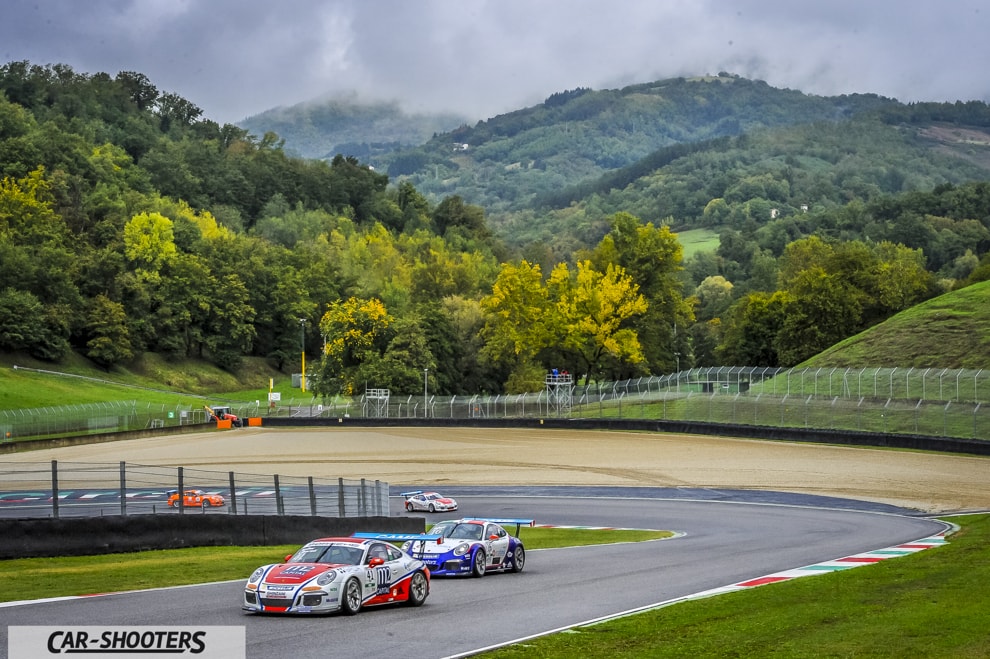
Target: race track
{"points": [[723, 542]]}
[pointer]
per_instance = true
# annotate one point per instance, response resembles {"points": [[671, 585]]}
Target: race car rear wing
{"points": [[399, 537], [409, 494], [507, 520]]}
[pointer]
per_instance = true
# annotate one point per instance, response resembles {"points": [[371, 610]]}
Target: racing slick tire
{"points": [[433, 508], [518, 559], [419, 588], [409, 506], [175, 504], [478, 563], [350, 598], [206, 503]]}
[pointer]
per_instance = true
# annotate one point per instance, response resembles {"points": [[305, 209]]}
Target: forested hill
{"points": [[506, 162], [349, 127], [130, 224]]}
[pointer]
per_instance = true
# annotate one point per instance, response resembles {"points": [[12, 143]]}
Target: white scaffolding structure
{"points": [[560, 393], [377, 403]]}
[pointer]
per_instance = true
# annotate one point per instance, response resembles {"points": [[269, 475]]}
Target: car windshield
{"points": [[336, 554], [458, 531]]}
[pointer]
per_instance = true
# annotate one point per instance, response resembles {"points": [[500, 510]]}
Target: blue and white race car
{"points": [[474, 545]]}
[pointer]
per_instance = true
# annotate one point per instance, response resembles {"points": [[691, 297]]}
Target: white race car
{"points": [[341, 574], [431, 502]]}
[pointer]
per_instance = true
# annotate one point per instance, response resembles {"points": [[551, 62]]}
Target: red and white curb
{"points": [[866, 558]]}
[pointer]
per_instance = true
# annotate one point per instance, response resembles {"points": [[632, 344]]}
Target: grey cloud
{"points": [[235, 58]]}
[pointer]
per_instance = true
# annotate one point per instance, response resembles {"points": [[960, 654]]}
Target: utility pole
{"points": [[302, 325]]}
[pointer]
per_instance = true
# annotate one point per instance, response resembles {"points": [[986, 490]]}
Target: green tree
{"points": [[230, 330], [108, 340], [750, 329], [148, 241], [652, 257], [822, 312]]}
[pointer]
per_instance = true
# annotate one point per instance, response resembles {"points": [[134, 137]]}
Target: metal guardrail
{"points": [[72, 489]]}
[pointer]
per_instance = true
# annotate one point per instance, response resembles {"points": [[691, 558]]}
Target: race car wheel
{"points": [[206, 504], [419, 588], [478, 564], [350, 603], [409, 506], [433, 508], [518, 559], [175, 504]]}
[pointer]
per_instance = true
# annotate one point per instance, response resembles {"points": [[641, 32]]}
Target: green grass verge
{"points": [[931, 604], [36, 578]]}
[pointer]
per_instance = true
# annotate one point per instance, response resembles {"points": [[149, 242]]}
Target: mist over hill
{"points": [[350, 127]]}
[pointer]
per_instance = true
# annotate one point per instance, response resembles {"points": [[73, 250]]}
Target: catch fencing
{"points": [[931, 401], [72, 489]]}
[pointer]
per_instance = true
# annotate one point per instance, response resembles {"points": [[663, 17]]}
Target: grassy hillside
{"points": [[75, 381], [950, 331]]}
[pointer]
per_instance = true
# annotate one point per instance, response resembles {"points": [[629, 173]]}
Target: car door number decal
{"points": [[381, 577]]}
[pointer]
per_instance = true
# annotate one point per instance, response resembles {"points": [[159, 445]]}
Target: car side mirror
{"points": [[493, 537], [287, 557], [375, 562]]}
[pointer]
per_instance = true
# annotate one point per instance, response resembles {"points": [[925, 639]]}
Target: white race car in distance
{"points": [[341, 574], [431, 502]]}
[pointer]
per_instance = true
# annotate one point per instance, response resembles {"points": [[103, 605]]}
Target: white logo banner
{"points": [[24, 642]]}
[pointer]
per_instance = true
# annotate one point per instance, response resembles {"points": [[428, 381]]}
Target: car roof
{"points": [[341, 540]]}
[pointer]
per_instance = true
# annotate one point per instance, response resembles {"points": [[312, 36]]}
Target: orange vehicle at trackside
{"points": [[195, 499], [223, 413]]}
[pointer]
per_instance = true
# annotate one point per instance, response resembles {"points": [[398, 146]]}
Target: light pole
{"points": [[302, 327], [426, 372]]}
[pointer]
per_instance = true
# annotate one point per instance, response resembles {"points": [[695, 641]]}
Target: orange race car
{"points": [[195, 499]]}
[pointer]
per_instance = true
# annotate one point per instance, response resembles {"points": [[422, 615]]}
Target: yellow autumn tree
{"points": [[591, 314], [354, 330]]}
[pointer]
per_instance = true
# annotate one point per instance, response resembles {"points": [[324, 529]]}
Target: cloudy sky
{"points": [[236, 58]]}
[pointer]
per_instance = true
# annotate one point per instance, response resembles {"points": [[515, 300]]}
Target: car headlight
{"points": [[326, 578], [462, 549], [256, 575]]}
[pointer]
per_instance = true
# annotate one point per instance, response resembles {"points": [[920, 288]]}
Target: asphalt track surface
{"points": [[727, 537]]}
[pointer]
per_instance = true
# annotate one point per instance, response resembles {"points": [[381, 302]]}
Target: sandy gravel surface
{"points": [[470, 456]]}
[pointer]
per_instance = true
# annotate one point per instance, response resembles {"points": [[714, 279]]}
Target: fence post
{"points": [[363, 499], [182, 494], [378, 499], [123, 490], [278, 498], [312, 498], [55, 489], [340, 497], [233, 493]]}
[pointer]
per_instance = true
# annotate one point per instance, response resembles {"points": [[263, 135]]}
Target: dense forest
{"points": [[130, 223]]}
